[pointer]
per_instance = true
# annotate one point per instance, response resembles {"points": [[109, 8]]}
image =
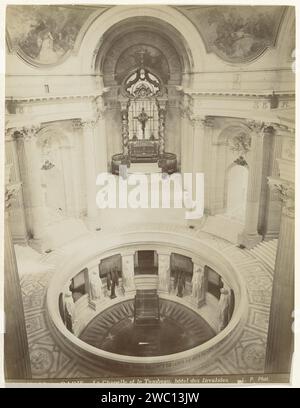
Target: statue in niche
{"points": [[69, 311], [179, 282], [112, 282], [127, 274], [95, 286], [164, 276], [198, 285], [224, 302]]}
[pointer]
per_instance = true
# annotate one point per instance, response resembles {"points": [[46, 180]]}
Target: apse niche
{"points": [[142, 70]]}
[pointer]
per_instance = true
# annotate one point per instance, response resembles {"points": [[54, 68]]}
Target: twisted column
{"points": [[161, 129], [125, 129]]}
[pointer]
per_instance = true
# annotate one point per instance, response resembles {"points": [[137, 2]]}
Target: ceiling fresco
{"points": [[46, 34], [236, 34]]}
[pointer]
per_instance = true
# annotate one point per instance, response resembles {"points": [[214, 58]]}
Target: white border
{"points": [[3, 4]]}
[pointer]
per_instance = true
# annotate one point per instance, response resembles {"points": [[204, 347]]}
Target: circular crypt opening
{"points": [[147, 326]]}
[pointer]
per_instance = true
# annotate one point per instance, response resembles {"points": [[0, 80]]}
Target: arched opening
{"points": [[231, 180], [52, 173], [237, 182], [57, 172]]}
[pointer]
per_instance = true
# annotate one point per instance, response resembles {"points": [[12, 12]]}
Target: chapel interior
{"points": [[150, 90]]}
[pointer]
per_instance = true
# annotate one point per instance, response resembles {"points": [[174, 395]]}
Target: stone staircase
{"points": [[266, 252], [146, 308]]}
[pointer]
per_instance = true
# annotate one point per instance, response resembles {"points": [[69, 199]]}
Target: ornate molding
{"points": [[286, 192]]}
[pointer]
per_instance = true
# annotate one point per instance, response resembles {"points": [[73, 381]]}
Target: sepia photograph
{"points": [[149, 209]]}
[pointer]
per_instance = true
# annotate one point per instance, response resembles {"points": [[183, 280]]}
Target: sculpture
{"points": [[224, 302], [179, 283], [198, 285], [95, 286], [112, 282], [164, 272], [69, 311]]}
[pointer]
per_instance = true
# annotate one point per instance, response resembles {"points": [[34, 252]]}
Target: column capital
{"points": [[260, 127], [88, 123], [11, 192], [208, 121], [27, 132], [10, 133], [197, 120], [286, 191], [162, 103], [124, 102]]}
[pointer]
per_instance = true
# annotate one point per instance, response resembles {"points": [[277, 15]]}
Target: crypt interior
{"points": [[103, 292]]}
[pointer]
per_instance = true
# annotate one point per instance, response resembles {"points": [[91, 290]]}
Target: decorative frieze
{"points": [[27, 132]]}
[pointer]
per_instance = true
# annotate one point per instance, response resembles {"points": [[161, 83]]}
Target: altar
{"points": [[143, 151], [143, 101]]}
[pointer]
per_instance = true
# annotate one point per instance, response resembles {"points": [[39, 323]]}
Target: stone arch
{"points": [[286, 37], [55, 145], [236, 193], [225, 160], [165, 15]]}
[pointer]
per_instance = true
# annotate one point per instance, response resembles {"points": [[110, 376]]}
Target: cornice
{"points": [[239, 94], [46, 98]]}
